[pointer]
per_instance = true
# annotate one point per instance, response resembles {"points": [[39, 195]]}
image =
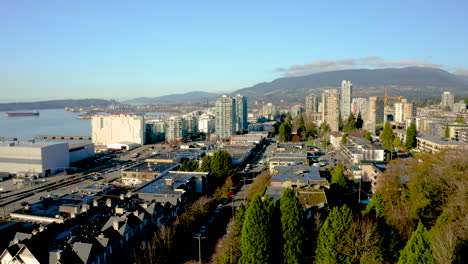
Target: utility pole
{"points": [[199, 237], [359, 194]]}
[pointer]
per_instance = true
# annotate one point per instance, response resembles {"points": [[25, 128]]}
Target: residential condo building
{"points": [[331, 108], [346, 90]]}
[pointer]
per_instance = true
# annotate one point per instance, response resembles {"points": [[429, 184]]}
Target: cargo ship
{"points": [[11, 114], [87, 116]]}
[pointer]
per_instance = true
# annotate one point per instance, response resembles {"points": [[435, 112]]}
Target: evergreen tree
{"points": [[367, 136], [359, 121], [411, 135], [418, 248], [447, 131], [311, 130], [189, 165], [350, 123], [285, 132], [344, 138], [256, 233], [292, 226], [330, 242], [301, 128], [387, 136], [338, 177], [233, 241], [340, 122], [206, 164], [221, 165]]}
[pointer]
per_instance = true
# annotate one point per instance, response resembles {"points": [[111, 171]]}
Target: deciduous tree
{"points": [[367, 136]]}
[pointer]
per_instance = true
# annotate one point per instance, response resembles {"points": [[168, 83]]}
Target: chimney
{"points": [[169, 182], [122, 197], [58, 254], [115, 224], [95, 203], [108, 202]]}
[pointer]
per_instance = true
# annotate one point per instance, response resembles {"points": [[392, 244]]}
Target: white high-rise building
{"points": [[110, 129], [375, 113], [269, 111], [225, 112], [331, 108], [206, 123], [176, 128], [311, 104], [296, 110], [241, 112], [448, 100], [359, 105], [346, 90], [191, 124], [404, 110]]}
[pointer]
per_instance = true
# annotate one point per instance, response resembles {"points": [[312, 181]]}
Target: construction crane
{"points": [[385, 96]]}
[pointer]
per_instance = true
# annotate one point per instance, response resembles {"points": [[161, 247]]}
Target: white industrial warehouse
{"points": [[31, 158], [111, 129]]}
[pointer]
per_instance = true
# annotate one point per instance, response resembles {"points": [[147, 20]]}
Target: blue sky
{"points": [[123, 49]]}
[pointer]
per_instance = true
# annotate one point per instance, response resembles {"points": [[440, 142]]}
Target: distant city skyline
{"points": [[122, 50]]}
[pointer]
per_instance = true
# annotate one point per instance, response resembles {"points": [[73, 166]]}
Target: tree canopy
{"points": [[256, 233], [292, 227], [418, 248], [338, 178], [285, 131], [367, 136], [411, 135], [387, 136], [331, 242], [359, 121]]}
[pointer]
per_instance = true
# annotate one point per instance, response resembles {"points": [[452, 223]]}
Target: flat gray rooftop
{"points": [[297, 173]]}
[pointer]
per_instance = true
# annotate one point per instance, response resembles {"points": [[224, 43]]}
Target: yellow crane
{"points": [[385, 96]]}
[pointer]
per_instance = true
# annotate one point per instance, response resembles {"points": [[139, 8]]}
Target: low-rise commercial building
{"points": [[433, 144], [173, 187], [360, 149]]}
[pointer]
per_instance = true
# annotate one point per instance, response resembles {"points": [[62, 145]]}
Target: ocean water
{"points": [[49, 122]]}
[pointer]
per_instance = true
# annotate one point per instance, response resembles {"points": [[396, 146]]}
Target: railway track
{"points": [[9, 199]]}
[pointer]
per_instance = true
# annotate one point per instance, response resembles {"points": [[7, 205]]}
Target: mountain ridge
{"points": [[408, 82]]}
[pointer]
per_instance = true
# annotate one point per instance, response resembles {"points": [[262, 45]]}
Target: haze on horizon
{"points": [[120, 50]]}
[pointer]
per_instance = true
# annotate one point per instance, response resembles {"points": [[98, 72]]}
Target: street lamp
{"points": [[199, 237]]}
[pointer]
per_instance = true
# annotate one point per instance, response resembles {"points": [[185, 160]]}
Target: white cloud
{"points": [[350, 63], [460, 71]]}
